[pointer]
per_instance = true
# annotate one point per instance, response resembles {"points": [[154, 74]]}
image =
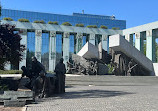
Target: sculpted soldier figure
{"points": [[60, 73], [37, 67], [38, 73]]}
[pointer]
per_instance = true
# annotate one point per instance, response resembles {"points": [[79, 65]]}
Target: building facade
{"points": [[51, 42], [75, 18]]}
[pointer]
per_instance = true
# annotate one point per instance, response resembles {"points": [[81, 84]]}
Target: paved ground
{"points": [[103, 93]]}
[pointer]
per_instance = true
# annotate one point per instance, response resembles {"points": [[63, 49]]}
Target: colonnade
{"points": [[52, 45], [138, 38]]}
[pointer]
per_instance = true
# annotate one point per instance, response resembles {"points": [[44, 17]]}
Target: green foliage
{"points": [[66, 24], [103, 27], [156, 52], [3, 87], [10, 47], [110, 68], [39, 21], [54, 23], [92, 26], [8, 19], [23, 20], [144, 47], [116, 28], [79, 25], [10, 72]]}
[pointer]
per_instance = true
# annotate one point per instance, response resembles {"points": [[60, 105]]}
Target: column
{"points": [[92, 38], [66, 47], [150, 45], [138, 41], [52, 51], [23, 34], [129, 38], [38, 44], [104, 42], [78, 42]]}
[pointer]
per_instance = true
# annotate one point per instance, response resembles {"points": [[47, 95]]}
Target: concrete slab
{"points": [[118, 43], [89, 51]]}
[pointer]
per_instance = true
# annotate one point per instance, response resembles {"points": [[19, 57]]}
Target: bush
{"points": [[110, 71], [79, 25], [116, 28], [66, 24], [39, 21], [103, 27], [10, 72], [8, 19], [54, 23], [92, 26], [23, 20]]}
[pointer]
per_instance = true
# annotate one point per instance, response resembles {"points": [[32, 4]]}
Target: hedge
{"points": [[39, 21], [54, 23], [23, 20], [8, 18], [66, 24], [103, 27], [92, 26], [10, 72], [79, 25]]}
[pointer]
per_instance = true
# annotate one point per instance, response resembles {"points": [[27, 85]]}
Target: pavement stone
{"points": [[103, 93]]}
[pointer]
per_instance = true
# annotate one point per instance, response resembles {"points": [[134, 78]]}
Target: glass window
{"points": [[83, 40], [30, 47], [98, 39], [58, 47], [72, 45], [45, 50]]}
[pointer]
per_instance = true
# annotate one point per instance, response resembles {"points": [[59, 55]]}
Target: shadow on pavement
{"points": [[92, 94]]}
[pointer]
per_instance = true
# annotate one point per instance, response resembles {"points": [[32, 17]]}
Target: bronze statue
{"points": [[60, 74]]}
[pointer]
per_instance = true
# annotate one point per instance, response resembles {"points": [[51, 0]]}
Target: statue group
{"points": [[41, 83]]}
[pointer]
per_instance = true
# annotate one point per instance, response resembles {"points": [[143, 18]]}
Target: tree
{"points": [[66, 24], [10, 48]]}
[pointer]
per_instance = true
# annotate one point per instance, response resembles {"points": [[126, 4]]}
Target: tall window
{"points": [[30, 47], [84, 40], [45, 50], [156, 49], [72, 45], [98, 39], [58, 47]]}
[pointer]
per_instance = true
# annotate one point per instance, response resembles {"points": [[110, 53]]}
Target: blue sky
{"points": [[135, 12]]}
